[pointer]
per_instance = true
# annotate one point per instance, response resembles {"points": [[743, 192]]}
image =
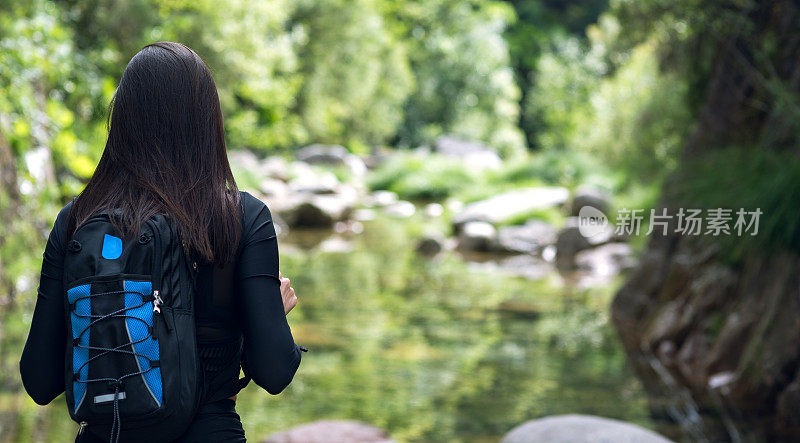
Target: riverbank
{"points": [[522, 222]]}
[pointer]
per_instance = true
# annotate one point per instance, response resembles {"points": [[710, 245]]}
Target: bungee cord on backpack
{"points": [[119, 313]]}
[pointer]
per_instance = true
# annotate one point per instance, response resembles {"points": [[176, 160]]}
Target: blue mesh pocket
{"points": [[125, 352], [80, 317], [139, 322]]}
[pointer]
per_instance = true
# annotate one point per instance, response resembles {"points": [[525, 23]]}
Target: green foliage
{"points": [[563, 168], [748, 178], [539, 27], [416, 177], [560, 100], [353, 91], [638, 118], [616, 105], [464, 82]]}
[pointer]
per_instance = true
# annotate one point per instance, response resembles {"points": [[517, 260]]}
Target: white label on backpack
{"points": [[108, 397]]}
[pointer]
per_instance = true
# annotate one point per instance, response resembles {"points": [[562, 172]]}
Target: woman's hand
{"points": [[287, 293]]}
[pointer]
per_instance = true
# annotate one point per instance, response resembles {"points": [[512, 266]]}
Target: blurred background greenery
{"points": [[611, 94]]}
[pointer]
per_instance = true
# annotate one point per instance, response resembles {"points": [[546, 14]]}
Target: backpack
{"points": [[132, 365]]}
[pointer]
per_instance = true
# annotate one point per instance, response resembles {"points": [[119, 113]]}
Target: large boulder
{"points": [[700, 331], [319, 154], [332, 155], [589, 196], [331, 431], [476, 236], [317, 183], [574, 428], [530, 238], [570, 241], [507, 206], [276, 168], [312, 210], [472, 153], [381, 199], [400, 209], [273, 189]]}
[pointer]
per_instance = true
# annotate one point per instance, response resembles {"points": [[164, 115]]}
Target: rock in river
{"points": [[331, 431], [332, 155], [471, 153], [476, 236], [431, 244], [574, 428], [505, 207], [588, 196], [530, 238], [307, 209]]}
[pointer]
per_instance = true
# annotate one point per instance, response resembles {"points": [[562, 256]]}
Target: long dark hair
{"points": [[166, 154]]}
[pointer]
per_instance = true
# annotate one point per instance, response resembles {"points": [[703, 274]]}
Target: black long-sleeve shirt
{"points": [[241, 300]]}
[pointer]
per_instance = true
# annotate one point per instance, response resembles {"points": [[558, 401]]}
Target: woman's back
{"points": [[182, 171]]}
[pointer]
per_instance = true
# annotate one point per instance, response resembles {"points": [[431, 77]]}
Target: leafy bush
{"points": [[748, 178], [552, 167], [416, 177]]}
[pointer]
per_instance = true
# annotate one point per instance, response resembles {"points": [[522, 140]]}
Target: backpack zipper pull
{"points": [[157, 302], [83, 425], [157, 312]]}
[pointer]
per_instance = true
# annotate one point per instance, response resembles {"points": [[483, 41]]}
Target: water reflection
{"points": [[430, 350]]}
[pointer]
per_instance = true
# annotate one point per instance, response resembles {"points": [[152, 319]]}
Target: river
{"points": [[428, 349]]}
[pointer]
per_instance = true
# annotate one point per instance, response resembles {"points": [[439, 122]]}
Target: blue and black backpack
{"points": [[132, 366]]}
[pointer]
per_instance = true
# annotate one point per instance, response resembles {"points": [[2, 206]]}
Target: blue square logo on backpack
{"points": [[112, 247]]}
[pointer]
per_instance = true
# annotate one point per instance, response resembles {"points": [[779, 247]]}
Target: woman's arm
{"points": [[271, 356], [42, 363]]}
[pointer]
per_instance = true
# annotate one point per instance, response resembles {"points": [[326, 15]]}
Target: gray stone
{"points": [[364, 214], [332, 155], [574, 428], [530, 238], [589, 196], [433, 210], [570, 241], [331, 431], [430, 244], [335, 245], [274, 188], [356, 165], [476, 236], [472, 153], [457, 146], [509, 205], [400, 209], [319, 184], [606, 260], [317, 210], [381, 198], [319, 154], [275, 167]]}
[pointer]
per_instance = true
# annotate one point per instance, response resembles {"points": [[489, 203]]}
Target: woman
{"points": [[166, 154]]}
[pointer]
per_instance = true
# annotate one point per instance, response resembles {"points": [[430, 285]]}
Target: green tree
{"points": [[465, 83], [355, 72]]}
